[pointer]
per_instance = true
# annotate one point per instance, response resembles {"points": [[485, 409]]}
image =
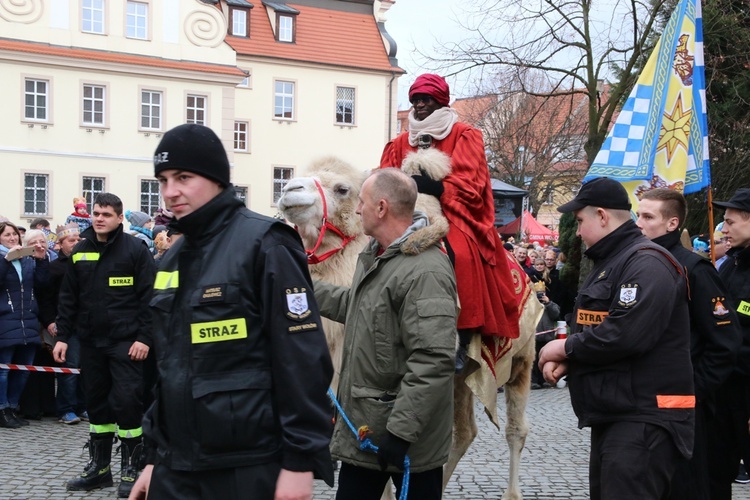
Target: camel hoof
{"points": [[508, 495]]}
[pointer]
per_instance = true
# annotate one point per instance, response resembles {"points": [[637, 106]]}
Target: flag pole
{"points": [[711, 225]]}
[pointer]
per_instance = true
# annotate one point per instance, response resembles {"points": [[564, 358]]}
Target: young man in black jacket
{"points": [[628, 356], [104, 301], [240, 407], [714, 334], [733, 398]]}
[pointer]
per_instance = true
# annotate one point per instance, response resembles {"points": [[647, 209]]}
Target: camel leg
{"points": [[516, 429], [464, 426]]}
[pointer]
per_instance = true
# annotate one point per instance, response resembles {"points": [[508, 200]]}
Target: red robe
{"points": [[490, 286]]}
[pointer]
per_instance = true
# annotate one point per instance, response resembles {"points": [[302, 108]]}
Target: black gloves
{"points": [[426, 185], [392, 450]]}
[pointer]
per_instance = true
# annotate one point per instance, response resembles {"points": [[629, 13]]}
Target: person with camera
{"points": [[540, 277]]}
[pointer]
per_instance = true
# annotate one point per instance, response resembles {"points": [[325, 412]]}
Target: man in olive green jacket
{"points": [[399, 347]]}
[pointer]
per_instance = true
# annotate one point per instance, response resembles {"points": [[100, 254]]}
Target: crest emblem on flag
{"points": [[660, 137]]}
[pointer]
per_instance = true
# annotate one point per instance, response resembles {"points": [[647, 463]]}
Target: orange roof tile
{"points": [[322, 36], [117, 57]]}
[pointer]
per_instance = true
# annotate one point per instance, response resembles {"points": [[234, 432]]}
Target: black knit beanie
{"points": [[193, 148]]}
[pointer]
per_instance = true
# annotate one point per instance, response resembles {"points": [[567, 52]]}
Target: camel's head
{"points": [[301, 204]]}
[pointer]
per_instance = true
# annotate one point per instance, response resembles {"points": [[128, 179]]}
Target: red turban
{"points": [[432, 85]]}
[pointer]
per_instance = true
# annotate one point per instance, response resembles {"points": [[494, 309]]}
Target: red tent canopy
{"points": [[532, 230]]}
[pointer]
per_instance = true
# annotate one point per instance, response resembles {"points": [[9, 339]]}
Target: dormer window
{"points": [[285, 28], [239, 17], [286, 21]]}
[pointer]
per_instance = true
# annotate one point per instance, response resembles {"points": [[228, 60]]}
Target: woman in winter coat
{"points": [[19, 326]]}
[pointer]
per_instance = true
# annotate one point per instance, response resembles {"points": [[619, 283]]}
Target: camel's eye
{"points": [[341, 190]]}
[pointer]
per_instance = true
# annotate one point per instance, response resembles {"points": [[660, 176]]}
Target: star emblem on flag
{"points": [[675, 129]]}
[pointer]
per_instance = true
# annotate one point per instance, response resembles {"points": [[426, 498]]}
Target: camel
{"points": [[322, 207], [303, 202]]}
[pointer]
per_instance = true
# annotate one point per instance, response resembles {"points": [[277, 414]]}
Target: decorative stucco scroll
{"points": [[21, 11], [205, 26]]}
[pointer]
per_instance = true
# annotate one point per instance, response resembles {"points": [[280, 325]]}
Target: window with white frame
{"points": [[36, 99], [93, 104], [92, 16], [92, 186], [136, 23], [36, 194], [150, 196], [151, 109], [245, 82], [241, 136], [239, 22], [345, 105], [281, 175], [241, 193], [196, 109], [285, 28], [284, 100]]}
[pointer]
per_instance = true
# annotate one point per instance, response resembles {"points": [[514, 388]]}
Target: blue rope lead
{"points": [[366, 444]]}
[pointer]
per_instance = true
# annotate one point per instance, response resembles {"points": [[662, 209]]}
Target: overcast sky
{"points": [[423, 24]]}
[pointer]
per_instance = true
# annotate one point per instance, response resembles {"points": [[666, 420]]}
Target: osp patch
{"points": [[296, 304], [628, 295]]}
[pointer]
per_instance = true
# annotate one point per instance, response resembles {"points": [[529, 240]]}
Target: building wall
{"points": [[120, 151], [313, 131]]}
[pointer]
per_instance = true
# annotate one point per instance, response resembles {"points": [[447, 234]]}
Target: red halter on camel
{"points": [[317, 259]]}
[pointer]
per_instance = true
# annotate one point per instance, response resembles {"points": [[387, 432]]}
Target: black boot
{"points": [[98, 473], [131, 452], [7, 420], [18, 418]]}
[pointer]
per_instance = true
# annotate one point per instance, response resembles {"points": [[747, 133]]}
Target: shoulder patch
{"points": [[719, 310], [297, 307], [628, 294]]}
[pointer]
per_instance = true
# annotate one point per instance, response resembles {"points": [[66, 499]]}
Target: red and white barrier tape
{"points": [[46, 369]]}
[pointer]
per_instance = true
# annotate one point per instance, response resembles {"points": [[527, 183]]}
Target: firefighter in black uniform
{"points": [[240, 406], [628, 357], [733, 401], [104, 301], [714, 334]]}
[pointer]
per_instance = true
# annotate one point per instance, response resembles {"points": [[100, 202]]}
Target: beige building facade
{"points": [[91, 86]]}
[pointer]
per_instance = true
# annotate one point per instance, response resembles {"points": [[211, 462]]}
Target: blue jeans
{"points": [[69, 389], [12, 382]]}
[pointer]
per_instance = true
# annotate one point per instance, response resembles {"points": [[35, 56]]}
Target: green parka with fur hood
{"points": [[399, 348]]}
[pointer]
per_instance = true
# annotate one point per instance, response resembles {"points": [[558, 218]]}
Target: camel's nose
{"points": [[293, 185]]}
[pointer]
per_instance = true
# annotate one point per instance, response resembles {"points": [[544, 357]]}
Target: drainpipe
{"points": [[390, 106]]}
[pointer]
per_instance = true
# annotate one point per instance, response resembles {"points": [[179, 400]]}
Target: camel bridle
{"points": [[312, 258]]}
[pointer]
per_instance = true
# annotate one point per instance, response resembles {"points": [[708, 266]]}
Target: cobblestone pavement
{"points": [[35, 461]]}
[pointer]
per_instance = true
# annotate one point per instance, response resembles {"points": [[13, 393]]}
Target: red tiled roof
{"points": [[322, 36], [471, 110], [117, 57]]}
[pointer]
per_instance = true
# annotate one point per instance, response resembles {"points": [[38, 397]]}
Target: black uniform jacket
{"points": [[735, 274], [630, 351], [105, 293], [714, 334], [243, 362]]}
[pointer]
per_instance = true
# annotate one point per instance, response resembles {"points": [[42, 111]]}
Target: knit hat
{"points": [[432, 85], [79, 201], [67, 230], [193, 148], [138, 219]]}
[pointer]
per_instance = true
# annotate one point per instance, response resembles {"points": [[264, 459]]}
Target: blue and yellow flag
{"points": [[660, 138]]}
